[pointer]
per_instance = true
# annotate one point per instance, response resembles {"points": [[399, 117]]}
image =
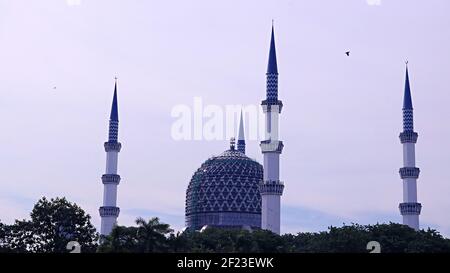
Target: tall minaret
{"points": [[410, 208], [109, 211], [241, 136], [271, 188]]}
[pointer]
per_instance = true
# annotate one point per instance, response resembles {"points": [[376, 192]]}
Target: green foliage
{"points": [[122, 239], [53, 224], [19, 237], [146, 237], [3, 230], [394, 238]]}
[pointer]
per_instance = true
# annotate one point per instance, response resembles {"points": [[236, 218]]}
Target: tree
{"points": [[219, 240], [57, 222], [152, 234], [179, 243], [19, 237], [396, 238], [3, 246], [147, 237], [54, 223], [122, 239], [345, 239], [268, 242]]}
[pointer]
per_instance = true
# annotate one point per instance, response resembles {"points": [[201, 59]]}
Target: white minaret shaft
{"points": [[109, 211], [271, 187], [410, 208]]}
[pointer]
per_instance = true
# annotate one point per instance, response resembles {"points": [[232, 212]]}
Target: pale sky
{"points": [[340, 122]]}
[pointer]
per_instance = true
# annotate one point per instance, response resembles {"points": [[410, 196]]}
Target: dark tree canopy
{"points": [[53, 224], [393, 238], [3, 230], [146, 237]]}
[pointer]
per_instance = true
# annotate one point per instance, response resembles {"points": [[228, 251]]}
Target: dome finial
{"points": [[232, 143]]}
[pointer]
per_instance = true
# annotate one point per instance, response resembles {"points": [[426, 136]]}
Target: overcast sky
{"points": [[340, 122]]}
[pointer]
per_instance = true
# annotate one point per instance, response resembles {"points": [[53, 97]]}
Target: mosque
{"points": [[233, 191]]}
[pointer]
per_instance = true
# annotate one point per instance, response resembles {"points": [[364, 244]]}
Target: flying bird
{"points": [[347, 53]]}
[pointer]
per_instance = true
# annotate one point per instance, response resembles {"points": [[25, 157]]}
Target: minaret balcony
{"points": [[266, 104], [410, 208], [112, 146], [269, 146], [409, 172], [109, 211], [408, 137], [110, 179], [271, 187]]}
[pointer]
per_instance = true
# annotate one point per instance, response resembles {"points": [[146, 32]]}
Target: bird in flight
{"points": [[347, 53]]}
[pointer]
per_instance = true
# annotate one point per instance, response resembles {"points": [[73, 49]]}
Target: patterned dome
{"points": [[224, 192]]}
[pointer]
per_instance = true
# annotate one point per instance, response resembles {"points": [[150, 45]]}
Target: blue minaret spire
{"points": [[109, 211], [114, 109], [114, 118], [272, 72], [407, 101], [272, 67], [408, 124], [241, 136], [410, 209]]}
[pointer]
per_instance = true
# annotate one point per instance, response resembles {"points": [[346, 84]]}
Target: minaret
{"points": [[109, 211], [271, 188], [241, 136], [410, 208]]}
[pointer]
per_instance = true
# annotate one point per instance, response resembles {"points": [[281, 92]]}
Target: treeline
{"points": [[393, 238], [56, 222]]}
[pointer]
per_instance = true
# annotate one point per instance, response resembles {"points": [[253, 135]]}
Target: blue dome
{"points": [[224, 192]]}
